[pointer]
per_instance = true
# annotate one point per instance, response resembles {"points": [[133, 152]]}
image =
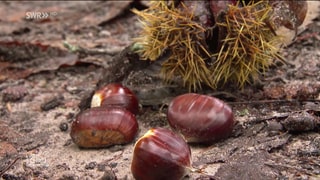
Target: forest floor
{"points": [[42, 83]]}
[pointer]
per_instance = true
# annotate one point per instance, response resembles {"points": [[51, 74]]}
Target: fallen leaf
{"points": [[21, 59]]}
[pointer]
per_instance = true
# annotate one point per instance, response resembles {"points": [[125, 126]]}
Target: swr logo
{"points": [[37, 15]]}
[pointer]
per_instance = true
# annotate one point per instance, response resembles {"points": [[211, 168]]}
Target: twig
{"points": [[273, 101], [277, 166], [10, 83], [9, 166], [308, 36]]}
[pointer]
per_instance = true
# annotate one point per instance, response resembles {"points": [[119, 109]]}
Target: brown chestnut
{"points": [[200, 118], [103, 126], [116, 95], [160, 154]]}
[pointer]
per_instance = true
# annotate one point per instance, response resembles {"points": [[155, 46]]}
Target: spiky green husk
{"points": [[152, 41], [249, 47], [174, 30]]}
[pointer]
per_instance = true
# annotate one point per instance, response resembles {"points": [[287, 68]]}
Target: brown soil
{"points": [[42, 84]]}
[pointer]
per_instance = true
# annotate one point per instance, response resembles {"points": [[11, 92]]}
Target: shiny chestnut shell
{"points": [[102, 127], [116, 95], [200, 118], [160, 154]]}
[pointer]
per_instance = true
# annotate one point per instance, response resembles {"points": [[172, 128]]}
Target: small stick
{"points": [[9, 166], [273, 101]]}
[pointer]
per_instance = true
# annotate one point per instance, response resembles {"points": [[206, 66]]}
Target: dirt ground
{"points": [[44, 78]]}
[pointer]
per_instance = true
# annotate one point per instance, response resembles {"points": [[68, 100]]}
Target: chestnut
{"points": [[160, 154], [103, 126], [116, 95], [200, 118]]}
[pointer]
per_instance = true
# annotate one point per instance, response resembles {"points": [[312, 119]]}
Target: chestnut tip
{"points": [[116, 95], [160, 154]]}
